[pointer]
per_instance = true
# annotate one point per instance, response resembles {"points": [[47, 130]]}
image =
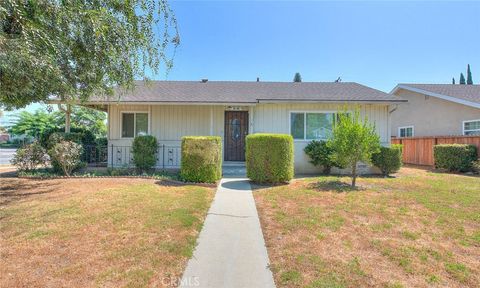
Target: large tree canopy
{"points": [[35, 124], [72, 49]]}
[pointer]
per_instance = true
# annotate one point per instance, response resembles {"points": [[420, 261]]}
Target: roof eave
{"points": [[437, 95], [332, 101], [113, 102]]}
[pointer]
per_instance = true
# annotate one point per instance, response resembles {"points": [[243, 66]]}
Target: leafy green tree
{"points": [[33, 124], [75, 49], [85, 118], [297, 77], [469, 76], [453, 80], [462, 79], [354, 140]]}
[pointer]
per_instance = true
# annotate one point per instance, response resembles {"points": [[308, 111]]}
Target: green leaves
{"points": [[75, 49], [35, 124], [354, 140]]}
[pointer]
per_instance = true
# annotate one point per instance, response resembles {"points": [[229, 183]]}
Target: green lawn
{"points": [[419, 229], [97, 232]]}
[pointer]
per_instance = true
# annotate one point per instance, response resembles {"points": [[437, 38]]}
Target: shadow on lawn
{"points": [[333, 185], [14, 189]]}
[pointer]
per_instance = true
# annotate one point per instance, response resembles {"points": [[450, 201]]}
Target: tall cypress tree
{"points": [[453, 80], [462, 79], [469, 76], [297, 77]]}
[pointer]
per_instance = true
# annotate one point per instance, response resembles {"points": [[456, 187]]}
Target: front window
{"points": [[311, 125], [471, 127], [405, 131], [134, 124]]}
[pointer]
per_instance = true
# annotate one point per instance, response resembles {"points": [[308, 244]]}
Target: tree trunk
{"points": [[67, 118], [354, 174]]}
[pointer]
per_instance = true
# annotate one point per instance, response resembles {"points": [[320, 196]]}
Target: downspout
{"points": [[389, 124]]}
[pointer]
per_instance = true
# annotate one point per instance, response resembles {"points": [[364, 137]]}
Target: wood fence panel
{"points": [[419, 150]]}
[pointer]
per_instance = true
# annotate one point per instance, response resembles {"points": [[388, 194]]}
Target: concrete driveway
{"points": [[6, 154]]}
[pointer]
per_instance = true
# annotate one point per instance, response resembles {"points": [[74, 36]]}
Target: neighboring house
{"points": [[437, 110], [172, 109]]}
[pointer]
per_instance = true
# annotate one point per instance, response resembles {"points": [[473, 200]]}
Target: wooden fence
{"points": [[419, 150]]}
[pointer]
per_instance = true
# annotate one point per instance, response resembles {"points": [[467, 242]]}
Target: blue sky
{"points": [[378, 44]]}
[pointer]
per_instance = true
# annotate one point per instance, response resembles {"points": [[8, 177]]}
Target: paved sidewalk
{"points": [[231, 251]]}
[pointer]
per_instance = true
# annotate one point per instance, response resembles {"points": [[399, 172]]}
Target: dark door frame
{"points": [[239, 153]]}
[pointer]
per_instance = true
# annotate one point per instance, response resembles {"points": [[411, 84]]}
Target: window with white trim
{"points": [[311, 125], [405, 131], [134, 124], [471, 127]]}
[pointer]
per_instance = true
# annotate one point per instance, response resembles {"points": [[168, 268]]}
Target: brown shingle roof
{"points": [[464, 92], [248, 92]]}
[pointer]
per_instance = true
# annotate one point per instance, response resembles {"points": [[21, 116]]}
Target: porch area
{"points": [[168, 158]]}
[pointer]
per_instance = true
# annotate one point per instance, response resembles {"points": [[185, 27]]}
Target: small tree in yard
{"points": [[67, 154], [353, 141]]}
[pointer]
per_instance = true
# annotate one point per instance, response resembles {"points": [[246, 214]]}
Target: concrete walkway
{"points": [[231, 251]]}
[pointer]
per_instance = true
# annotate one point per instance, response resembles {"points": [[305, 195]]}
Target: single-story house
{"points": [[436, 110], [232, 109]]}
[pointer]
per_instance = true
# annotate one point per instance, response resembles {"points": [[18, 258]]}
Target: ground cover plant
{"points": [[97, 232], [418, 229]]}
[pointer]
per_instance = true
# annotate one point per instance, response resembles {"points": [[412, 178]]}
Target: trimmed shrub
{"points": [[476, 166], [455, 157], [269, 158], [321, 154], [388, 159], [57, 137], [29, 157], [81, 136], [144, 149], [67, 156], [101, 141], [201, 159]]}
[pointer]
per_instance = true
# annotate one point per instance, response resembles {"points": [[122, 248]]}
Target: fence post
{"points": [[163, 157], [112, 156]]}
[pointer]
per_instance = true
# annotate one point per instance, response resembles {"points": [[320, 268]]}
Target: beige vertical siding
{"points": [[170, 122], [275, 118]]}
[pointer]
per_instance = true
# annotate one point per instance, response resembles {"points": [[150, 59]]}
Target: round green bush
{"points": [[269, 158], [321, 154], [455, 157], [388, 159], [201, 159], [144, 149]]}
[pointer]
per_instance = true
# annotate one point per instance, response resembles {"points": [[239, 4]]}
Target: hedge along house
{"points": [[169, 110]]}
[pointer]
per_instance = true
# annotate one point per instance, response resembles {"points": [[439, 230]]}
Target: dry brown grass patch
{"points": [[97, 232], [418, 229]]}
